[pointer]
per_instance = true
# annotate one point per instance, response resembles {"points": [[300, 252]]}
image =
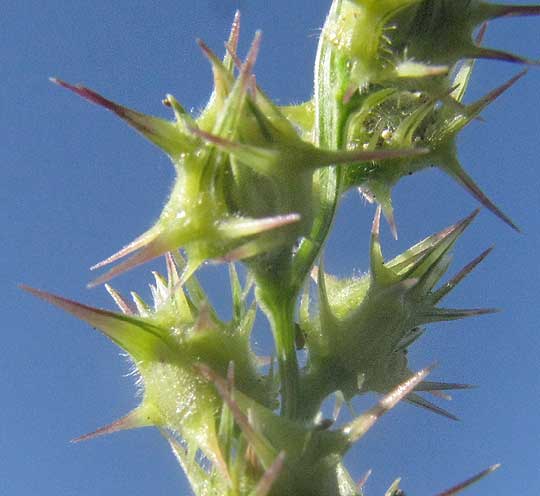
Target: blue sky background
{"points": [[77, 184]]}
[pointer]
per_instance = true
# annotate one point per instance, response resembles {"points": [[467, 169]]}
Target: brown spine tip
{"points": [[475, 478]]}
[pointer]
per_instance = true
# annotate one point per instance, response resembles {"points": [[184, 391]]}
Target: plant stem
{"points": [[331, 111], [330, 116], [279, 306]]}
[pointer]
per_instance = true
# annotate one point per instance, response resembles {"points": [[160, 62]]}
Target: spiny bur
{"points": [[258, 184]]}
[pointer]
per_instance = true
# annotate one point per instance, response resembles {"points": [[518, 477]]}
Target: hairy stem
{"points": [[279, 306], [330, 116]]}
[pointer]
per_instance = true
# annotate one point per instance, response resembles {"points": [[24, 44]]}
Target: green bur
{"points": [[389, 62], [412, 42], [260, 183], [309, 456], [200, 381], [165, 344], [357, 341], [232, 199]]}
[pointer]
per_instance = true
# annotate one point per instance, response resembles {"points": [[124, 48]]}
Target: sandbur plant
{"points": [[257, 187]]}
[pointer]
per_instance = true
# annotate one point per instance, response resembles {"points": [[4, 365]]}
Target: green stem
{"points": [[279, 306], [331, 111], [330, 116]]}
